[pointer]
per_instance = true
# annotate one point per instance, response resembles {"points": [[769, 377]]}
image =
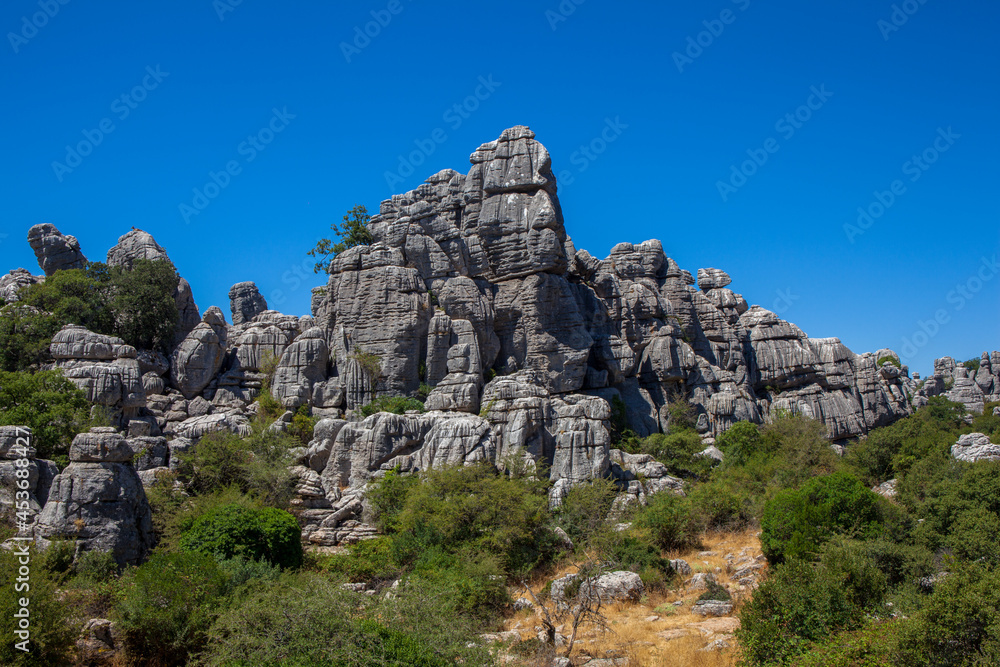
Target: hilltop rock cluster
{"points": [[531, 349]]}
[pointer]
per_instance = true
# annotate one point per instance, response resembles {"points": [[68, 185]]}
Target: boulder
{"points": [[54, 250], [975, 447], [246, 302]]}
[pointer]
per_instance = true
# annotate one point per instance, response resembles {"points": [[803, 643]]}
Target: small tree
{"points": [[353, 231]]}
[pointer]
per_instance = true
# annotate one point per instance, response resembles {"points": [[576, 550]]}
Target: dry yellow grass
{"points": [[676, 636]]}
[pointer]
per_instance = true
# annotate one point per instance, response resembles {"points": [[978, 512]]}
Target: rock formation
{"points": [[54, 250], [99, 500], [474, 295]]}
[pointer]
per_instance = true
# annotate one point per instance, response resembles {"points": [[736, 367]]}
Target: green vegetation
{"points": [[136, 305], [233, 531], [353, 231], [395, 404], [972, 364], [48, 403], [888, 360]]}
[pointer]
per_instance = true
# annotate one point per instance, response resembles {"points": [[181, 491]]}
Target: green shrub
{"points": [[960, 624], [257, 464], [972, 364], [232, 530], [57, 559], [796, 522], [721, 506], [676, 451], [241, 570], [670, 522], [585, 509], [365, 561], [50, 404], [25, 336], [715, 591], [635, 553], [303, 425], [308, 620], [54, 627], [145, 311], [888, 359], [798, 603], [394, 404], [868, 646], [96, 566], [470, 508], [167, 605], [739, 442]]}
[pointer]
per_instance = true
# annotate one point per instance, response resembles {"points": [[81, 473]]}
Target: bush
{"points": [[48, 403], [57, 559], [25, 336], [676, 451], [960, 624], [309, 620], [167, 606], [796, 522], [715, 591], [635, 553], [74, 296], [797, 604], [472, 509], [96, 566], [585, 509], [365, 561], [395, 404], [669, 520], [54, 628], [232, 530], [739, 443], [145, 312], [256, 464]]}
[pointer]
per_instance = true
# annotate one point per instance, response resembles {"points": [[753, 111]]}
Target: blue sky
{"points": [[687, 93]]}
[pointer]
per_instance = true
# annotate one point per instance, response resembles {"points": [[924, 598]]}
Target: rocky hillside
{"points": [[473, 287]]}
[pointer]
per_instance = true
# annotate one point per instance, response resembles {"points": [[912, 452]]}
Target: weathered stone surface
{"points": [[100, 445], [302, 365], [459, 389], [102, 366], [712, 608], [12, 283], [246, 302], [54, 250], [974, 447], [103, 507], [197, 359], [196, 427], [375, 305], [709, 279]]}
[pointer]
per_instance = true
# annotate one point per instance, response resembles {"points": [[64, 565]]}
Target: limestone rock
{"points": [[12, 283], [302, 365], [54, 250], [973, 447], [246, 302], [196, 360], [99, 500]]}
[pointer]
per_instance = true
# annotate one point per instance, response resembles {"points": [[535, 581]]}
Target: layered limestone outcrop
{"points": [[473, 296]]}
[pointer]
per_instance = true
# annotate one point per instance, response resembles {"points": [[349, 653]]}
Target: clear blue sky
{"points": [[780, 235]]}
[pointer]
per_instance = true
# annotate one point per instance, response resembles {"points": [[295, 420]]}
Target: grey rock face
{"points": [[197, 359], [12, 283], [99, 500], [54, 250], [246, 302], [302, 365], [974, 447], [712, 608], [375, 305], [102, 366]]}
